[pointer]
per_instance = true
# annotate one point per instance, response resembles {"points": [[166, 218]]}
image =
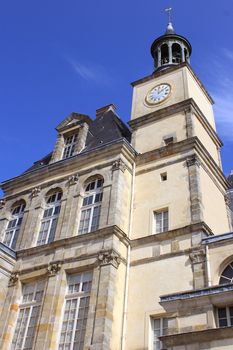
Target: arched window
{"points": [[50, 218], [176, 53], [227, 275], [164, 54], [90, 212], [13, 227]]}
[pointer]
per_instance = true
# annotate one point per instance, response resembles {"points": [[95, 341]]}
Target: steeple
{"points": [[170, 49]]}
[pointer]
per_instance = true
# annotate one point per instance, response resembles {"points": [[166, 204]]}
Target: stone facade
{"points": [[154, 241]]}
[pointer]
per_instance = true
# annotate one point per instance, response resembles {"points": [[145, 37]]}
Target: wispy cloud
{"points": [[89, 71], [221, 86]]}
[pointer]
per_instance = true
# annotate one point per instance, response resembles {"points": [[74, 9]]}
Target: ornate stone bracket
{"points": [[119, 165], [109, 258], [53, 269], [35, 192], [2, 203], [13, 279], [197, 256], [73, 180], [192, 160]]}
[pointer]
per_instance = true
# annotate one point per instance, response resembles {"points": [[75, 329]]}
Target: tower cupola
{"points": [[170, 49]]}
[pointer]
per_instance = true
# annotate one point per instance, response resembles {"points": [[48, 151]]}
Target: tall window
{"points": [[159, 327], [76, 312], [90, 213], [70, 144], [225, 316], [161, 221], [227, 275], [13, 226], [50, 218], [29, 311]]}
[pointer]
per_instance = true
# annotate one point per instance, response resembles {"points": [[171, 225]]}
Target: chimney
{"points": [[102, 110]]}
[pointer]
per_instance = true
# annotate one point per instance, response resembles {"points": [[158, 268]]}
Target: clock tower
{"points": [[174, 132]]}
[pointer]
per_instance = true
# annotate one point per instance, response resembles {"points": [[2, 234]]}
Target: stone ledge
{"points": [[197, 293], [171, 234], [197, 337], [70, 241], [218, 238]]}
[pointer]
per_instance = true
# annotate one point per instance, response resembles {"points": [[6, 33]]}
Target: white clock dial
{"points": [[158, 94]]}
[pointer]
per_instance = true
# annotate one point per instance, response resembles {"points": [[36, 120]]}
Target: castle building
{"points": [[120, 238]]}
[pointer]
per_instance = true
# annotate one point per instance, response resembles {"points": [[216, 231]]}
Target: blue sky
{"points": [[63, 56]]}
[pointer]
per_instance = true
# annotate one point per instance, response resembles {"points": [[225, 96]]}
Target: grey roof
{"points": [[230, 179], [104, 129]]}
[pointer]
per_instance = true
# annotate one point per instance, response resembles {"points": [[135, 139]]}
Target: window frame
{"points": [[155, 338], [71, 296], [14, 230], [70, 147], [228, 316], [223, 278], [164, 228], [50, 232], [88, 210], [30, 305]]}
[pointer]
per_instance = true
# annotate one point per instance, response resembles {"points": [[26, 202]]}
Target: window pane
{"points": [[76, 311], [28, 317]]}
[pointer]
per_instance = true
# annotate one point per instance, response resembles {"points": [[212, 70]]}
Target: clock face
{"points": [[158, 94]]}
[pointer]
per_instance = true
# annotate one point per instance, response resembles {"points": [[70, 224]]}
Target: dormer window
{"points": [[70, 145]]}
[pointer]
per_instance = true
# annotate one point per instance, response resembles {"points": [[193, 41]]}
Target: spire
{"points": [[170, 29], [170, 49]]}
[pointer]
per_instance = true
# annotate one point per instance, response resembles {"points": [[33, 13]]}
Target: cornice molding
{"points": [[66, 242], [171, 234], [67, 167], [173, 69], [187, 145], [184, 106], [207, 335]]}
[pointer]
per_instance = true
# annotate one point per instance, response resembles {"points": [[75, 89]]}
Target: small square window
{"points": [[168, 140], [163, 177]]}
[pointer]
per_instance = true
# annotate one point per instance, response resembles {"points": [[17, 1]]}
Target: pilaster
{"points": [[106, 293], [198, 259]]}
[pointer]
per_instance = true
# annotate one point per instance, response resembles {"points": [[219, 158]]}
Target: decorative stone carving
{"points": [[197, 256], [2, 203], [35, 192], [73, 180], [109, 258], [13, 279], [119, 165], [192, 160], [53, 269]]}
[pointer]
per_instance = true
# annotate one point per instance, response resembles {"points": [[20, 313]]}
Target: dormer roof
{"points": [[72, 120]]}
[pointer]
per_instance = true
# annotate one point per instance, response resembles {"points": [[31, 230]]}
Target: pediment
{"points": [[74, 119]]}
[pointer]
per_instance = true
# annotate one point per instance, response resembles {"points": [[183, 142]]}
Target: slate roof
{"points": [[108, 127], [230, 179]]}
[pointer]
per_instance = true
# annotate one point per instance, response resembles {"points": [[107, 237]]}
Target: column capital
{"points": [[35, 191], [14, 277], [193, 160], [73, 179], [109, 257], [197, 256], [119, 165], [53, 268]]}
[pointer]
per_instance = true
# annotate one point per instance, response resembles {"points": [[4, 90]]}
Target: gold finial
{"points": [[169, 12]]}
